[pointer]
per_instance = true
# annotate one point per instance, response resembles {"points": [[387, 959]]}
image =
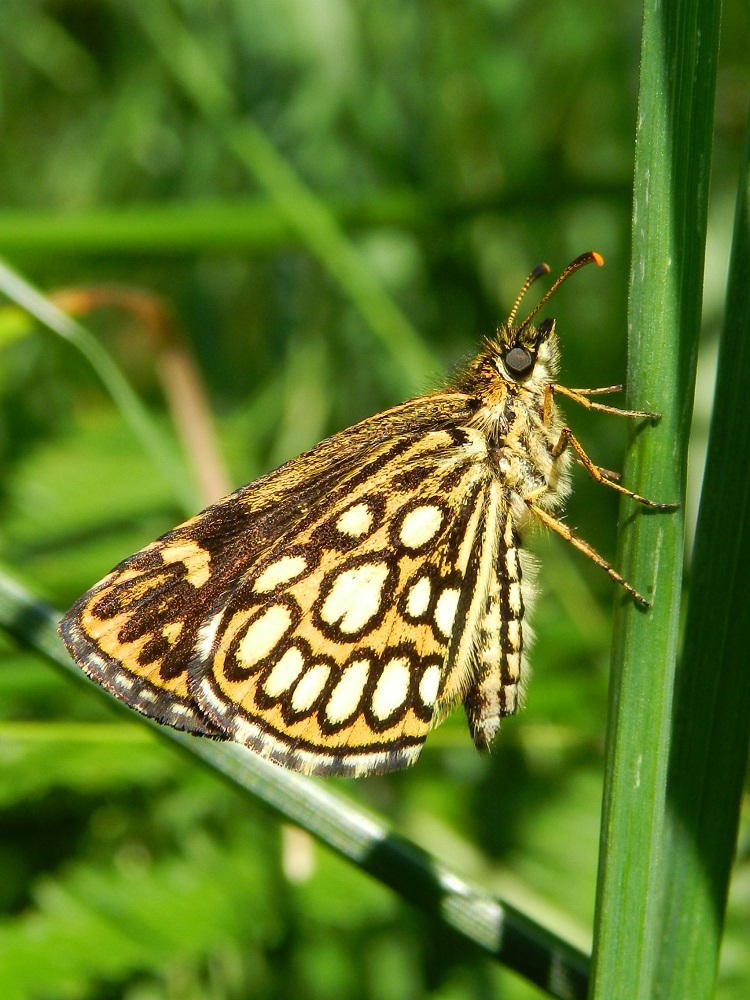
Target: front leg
{"points": [[581, 396]]}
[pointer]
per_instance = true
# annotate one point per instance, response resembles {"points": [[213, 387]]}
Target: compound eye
{"points": [[519, 361]]}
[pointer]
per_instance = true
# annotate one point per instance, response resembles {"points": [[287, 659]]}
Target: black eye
{"points": [[519, 361]]}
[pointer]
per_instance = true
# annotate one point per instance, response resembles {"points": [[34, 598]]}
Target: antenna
{"points": [[592, 257], [538, 271]]}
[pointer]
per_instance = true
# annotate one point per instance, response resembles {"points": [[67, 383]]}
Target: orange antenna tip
{"points": [[592, 257]]}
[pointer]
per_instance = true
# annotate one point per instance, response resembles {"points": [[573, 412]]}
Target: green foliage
{"points": [[344, 214]]}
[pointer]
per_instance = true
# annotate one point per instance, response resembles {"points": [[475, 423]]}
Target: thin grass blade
{"points": [[674, 136], [711, 735]]}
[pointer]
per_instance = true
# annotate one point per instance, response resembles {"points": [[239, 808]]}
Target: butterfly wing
{"points": [[310, 615], [334, 654]]}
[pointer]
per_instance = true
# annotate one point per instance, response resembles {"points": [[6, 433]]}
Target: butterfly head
{"points": [[517, 352], [520, 350], [522, 358]]}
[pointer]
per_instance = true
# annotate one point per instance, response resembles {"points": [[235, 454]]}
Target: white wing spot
{"points": [[355, 597], [281, 571], [429, 685], [392, 688], [310, 686], [513, 663], [514, 633], [284, 673], [418, 598], [348, 692], [510, 700], [420, 525], [263, 635], [356, 521], [511, 563], [445, 610], [207, 635], [514, 598]]}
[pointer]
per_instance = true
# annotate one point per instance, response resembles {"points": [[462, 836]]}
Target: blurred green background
{"points": [[451, 147]]}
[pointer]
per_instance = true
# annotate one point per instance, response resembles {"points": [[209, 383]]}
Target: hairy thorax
{"points": [[521, 433]]}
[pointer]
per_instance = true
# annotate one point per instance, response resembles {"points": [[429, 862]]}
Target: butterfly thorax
{"points": [[517, 415]]}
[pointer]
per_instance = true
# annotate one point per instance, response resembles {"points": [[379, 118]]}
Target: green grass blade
{"points": [[675, 117], [711, 739], [252, 224], [499, 930]]}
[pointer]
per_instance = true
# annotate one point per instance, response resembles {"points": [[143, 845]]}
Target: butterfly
{"points": [[332, 612]]}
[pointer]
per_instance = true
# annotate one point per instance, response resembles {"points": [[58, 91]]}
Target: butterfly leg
{"points": [[580, 396], [494, 692], [588, 550], [568, 438]]}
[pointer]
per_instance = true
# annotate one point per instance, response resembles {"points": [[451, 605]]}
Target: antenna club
{"points": [[591, 257]]}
